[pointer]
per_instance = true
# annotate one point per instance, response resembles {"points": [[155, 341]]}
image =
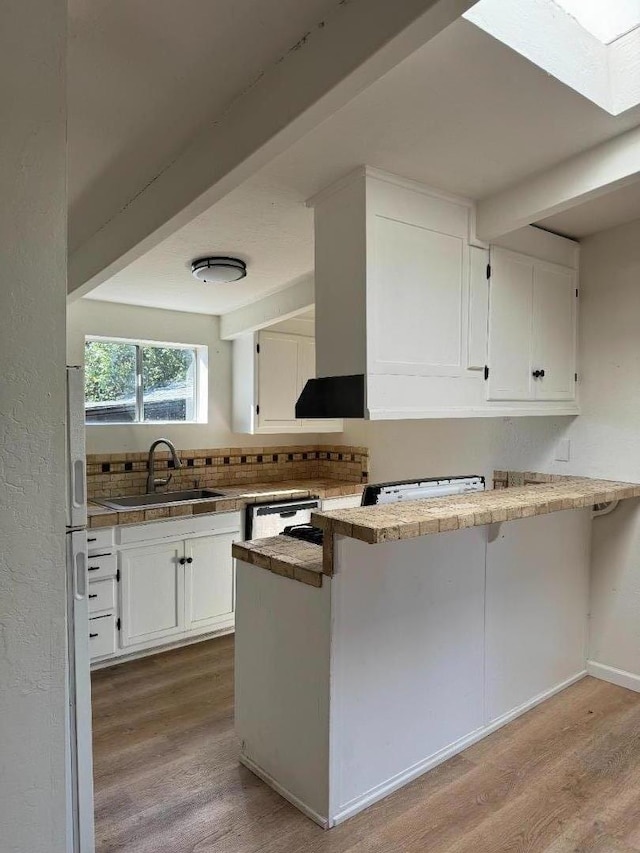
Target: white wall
{"points": [[32, 321], [89, 317], [403, 449], [605, 440]]}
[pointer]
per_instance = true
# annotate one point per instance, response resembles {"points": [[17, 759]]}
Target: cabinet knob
{"points": [[182, 561], [189, 559], [538, 374]]}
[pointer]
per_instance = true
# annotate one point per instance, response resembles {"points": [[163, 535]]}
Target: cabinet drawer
{"points": [[101, 566], [102, 595], [100, 539], [102, 636]]}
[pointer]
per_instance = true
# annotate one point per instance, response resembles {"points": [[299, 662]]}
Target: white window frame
{"points": [[201, 380]]}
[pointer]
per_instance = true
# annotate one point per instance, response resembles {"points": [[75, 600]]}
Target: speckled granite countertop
{"points": [[233, 498], [409, 519]]}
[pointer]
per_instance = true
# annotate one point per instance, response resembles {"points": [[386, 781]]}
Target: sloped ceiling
{"points": [[465, 114]]}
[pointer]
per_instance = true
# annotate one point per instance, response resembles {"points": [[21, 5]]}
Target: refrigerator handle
{"points": [[78, 482], [80, 574]]}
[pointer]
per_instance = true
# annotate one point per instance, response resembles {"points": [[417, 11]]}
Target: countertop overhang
{"points": [[410, 519]]}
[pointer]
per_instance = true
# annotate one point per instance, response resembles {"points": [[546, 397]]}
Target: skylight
{"points": [[592, 46], [607, 20]]}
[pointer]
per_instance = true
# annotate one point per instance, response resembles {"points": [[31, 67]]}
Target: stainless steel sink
{"points": [[142, 501]]}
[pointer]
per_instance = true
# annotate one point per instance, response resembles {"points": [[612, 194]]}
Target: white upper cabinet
{"points": [[532, 329], [278, 380], [510, 327], [555, 300], [403, 297], [270, 369], [478, 308], [417, 295]]}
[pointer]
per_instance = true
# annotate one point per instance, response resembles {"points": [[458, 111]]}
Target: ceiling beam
{"points": [[358, 43], [598, 171], [281, 305]]}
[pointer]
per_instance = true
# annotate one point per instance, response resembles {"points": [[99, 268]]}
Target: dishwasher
{"points": [[264, 520]]}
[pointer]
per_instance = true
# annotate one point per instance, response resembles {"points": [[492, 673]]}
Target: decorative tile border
{"points": [[110, 474]]}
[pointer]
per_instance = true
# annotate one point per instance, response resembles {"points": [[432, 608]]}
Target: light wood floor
{"points": [[564, 778]]}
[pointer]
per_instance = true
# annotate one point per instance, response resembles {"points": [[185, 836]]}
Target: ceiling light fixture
{"points": [[218, 269]]}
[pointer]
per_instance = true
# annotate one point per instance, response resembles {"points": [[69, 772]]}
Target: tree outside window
{"points": [[131, 382]]}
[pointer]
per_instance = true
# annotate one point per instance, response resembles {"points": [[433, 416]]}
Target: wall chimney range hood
{"points": [[332, 397]]}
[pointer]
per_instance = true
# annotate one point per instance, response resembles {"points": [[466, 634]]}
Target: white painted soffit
{"points": [[608, 74], [608, 167], [296, 299], [342, 56]]}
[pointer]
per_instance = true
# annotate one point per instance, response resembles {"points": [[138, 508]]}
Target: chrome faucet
{"points": [[152, 481]]}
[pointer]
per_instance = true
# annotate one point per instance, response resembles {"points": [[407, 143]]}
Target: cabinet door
{"points": [[554, 331], [418, 300], [277, 381], [306, 371], [510, 326], [478, 308], [152, 590], [209, 579]]}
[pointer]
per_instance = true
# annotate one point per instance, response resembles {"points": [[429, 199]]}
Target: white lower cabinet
{"points": [[152, 590], [102, 571], [162, 585], [102, 596], [102, 636], [209, 580]]}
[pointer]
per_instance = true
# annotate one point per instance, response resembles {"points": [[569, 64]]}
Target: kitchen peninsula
{"points": [[399, 647]]}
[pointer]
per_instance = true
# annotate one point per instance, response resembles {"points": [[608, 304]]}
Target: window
{"points": [[140, 382], [607, 20], [589, 45]]}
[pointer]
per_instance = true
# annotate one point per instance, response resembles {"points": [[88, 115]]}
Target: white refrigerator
{"points": [[80, 821]]}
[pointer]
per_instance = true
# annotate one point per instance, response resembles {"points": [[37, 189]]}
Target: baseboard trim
{"points": [[395, 782], [614, 676], [284, 792]]}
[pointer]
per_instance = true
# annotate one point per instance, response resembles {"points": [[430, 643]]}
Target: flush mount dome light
{"points": [[218, 270]]}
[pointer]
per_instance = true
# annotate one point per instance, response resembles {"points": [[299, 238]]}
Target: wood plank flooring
{"points": [[564, 778]]}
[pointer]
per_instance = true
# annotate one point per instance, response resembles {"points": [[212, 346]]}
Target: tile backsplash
{"points": [[513, 479], [110, 474]]}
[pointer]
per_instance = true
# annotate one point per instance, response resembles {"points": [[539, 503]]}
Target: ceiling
{"points": [[465, 114], [143, 76]]}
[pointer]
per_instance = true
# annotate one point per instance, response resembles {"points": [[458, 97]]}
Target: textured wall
{"points": [[605, 440], [88, 317], [403, 449], [32, 323]]}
